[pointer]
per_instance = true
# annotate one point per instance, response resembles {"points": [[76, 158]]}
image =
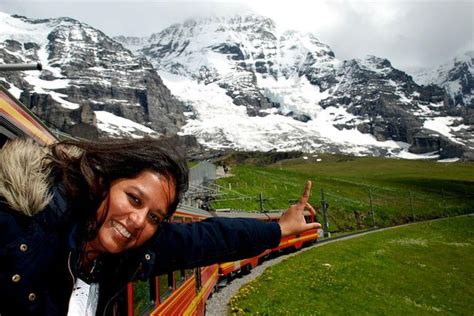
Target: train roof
{"points": [[244, 214], [275, 214], [188, 210]]}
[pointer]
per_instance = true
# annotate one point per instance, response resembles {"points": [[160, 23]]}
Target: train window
{"points": [[178, 219], [179, 277], [143, 297], [3, 139], [7, 131], [165, 285], [188, 220], [188, 273]]}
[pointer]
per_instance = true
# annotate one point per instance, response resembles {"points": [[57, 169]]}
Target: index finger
{"points": [[307, 191]]}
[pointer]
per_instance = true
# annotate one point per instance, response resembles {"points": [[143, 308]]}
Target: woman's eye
{"points": [[155, 218], [133, 199]]}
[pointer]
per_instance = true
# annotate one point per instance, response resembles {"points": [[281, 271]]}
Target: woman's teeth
{"points": [[121, 229]]}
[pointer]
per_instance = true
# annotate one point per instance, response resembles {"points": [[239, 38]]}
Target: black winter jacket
{"points": [[39, 249]]}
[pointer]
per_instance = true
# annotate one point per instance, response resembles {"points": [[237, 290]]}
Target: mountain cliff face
{"points": [[91, 85], [287, 90], [234, 52], [456, 78], [238, 83]]}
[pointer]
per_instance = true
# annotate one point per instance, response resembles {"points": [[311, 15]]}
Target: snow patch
{"points": [[219, 123], [58, 97], [448, 160], [16, 92], [118, 126], [442, 126]]}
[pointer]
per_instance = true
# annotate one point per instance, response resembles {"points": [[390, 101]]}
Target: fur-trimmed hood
{"points": [[24, 176]]}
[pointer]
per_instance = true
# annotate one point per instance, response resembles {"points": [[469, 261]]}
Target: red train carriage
{"points": [[17, 121], [228, 269]]}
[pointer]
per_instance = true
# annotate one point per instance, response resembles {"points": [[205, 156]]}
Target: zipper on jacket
{"points": [[70, 270]]}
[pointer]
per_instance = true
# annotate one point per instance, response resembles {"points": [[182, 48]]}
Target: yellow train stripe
{"points": [[175, 296], [193, 306]]}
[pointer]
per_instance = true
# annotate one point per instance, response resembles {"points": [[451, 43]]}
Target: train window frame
{"points": [[188, 273], [178, 219], [179, 277], [3, 139], [163, 295], [148, 302], [9, 131]]}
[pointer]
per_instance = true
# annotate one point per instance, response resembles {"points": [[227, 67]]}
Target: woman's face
{"points": [[134, 209]]}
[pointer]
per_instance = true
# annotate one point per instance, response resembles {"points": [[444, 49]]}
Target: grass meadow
{"points": [[398, 191], [420, 269]]}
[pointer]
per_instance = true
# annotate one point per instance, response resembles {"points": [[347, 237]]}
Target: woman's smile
{"points": [[121, 229]]}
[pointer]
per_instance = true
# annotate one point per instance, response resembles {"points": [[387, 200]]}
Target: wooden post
{"points": [[411, 206], [371, 209], [261, 201], [444, 202], [324, 206]]}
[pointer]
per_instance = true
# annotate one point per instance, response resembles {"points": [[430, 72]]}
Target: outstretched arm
{"points": [[212, 240]]}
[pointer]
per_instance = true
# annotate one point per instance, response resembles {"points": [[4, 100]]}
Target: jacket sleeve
{"points": [[213, 240]]}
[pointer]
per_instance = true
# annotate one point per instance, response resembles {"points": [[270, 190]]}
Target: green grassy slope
{"points": [[421, 269], [400, 189]]}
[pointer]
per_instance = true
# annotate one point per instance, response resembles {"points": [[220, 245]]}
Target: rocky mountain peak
{"points": [[456, 77], [86, 74], [230, 52]]}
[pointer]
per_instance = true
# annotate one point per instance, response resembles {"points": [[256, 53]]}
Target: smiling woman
{"points": [[94, 215]]}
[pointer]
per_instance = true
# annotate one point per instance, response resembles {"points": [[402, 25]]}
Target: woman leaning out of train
{"points": [[79, 220]]}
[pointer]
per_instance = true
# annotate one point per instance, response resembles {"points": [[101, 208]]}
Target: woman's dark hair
{"points": [[87, 169]]}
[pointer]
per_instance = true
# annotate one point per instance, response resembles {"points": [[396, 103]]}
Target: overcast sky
{"points": [[410, 33]]}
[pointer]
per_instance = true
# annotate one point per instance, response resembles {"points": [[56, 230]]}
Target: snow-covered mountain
{"points": [[456, 77], [235, 82], [91, 85], [253, 86]]}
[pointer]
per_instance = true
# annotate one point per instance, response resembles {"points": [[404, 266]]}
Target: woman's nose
{"points": [[138, 218]]}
